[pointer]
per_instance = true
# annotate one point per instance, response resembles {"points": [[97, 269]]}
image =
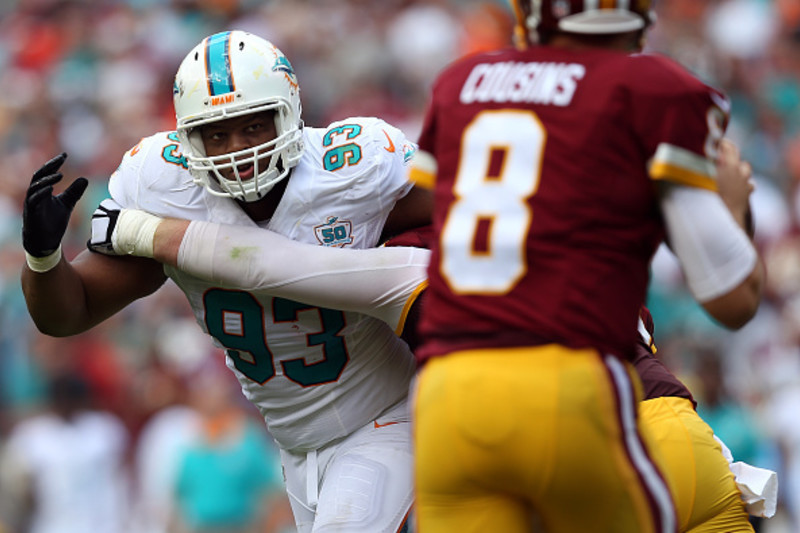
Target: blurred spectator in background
{"points": [[228, 476], [62, 471], [170, 425], [732, 421]]}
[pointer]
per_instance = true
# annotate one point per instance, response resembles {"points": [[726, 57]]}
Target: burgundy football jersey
{"points": [[546, 216]]}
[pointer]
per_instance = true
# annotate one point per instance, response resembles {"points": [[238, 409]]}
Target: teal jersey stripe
{"points": [[218, 64]]}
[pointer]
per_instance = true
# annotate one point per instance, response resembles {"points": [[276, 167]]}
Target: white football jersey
{"points": [[315, 374]]}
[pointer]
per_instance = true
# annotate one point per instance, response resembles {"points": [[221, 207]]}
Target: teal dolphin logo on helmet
{"points": [[282, 65]]}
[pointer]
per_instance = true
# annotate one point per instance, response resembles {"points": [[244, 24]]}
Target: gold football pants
{"points": [[702, 484], [508, 437]]}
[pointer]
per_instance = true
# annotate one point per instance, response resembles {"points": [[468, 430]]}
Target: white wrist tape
{"points": [[134, 233], [43, 264]]}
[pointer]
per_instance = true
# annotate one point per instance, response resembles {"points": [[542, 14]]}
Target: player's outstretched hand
{"points": [[45, 217], [118, 231]]}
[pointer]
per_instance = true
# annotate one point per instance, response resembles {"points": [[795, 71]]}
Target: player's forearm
{"points": [[736, 308], [76, 296], [167, 240]]}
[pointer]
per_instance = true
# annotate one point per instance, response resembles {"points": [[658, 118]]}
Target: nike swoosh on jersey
{"points": [[378, 426], [389, 148]]}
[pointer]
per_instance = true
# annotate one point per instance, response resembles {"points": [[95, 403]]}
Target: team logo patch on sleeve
{"points": [[334, 232], [409, 149]]}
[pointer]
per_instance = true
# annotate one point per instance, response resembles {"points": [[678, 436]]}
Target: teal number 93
{"points": [[236, 320], [343, 154]]}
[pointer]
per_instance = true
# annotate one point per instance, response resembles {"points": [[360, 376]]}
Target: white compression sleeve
{"points": [[380, 282], [715, 253]]}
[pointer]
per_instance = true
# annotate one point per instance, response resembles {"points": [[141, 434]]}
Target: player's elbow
{"points": [[54, 328], [52, 321], [737, 307]]}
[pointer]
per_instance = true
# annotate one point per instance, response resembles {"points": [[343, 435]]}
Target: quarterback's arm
{"points": [[709, 234], [735, 188], [381, 282]]}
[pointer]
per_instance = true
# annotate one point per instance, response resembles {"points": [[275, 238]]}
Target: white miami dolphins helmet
{"points": [[227, 75]]}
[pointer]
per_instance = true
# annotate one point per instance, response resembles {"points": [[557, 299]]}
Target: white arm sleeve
{"points": [[715, 253], [380, 282]]}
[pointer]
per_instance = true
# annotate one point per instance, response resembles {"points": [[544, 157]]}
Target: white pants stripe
{"points": [[653, 481]]}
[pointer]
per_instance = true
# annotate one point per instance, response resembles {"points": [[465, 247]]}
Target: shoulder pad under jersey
{"points": [[352, 145], [153, 176]]}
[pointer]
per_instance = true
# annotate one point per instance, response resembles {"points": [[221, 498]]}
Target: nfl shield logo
{"points": [[334, 232]]}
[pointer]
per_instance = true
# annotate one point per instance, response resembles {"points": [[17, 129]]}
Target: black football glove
{"points": [[45, 217]]}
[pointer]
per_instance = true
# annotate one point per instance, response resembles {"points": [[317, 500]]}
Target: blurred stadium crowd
{"points": [[91, 77]]}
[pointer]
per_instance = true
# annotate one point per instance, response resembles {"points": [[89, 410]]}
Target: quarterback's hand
{"points": [[118, 231], [45, 217], [734, 178]]}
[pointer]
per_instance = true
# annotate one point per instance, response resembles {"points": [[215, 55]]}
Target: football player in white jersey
{"points": [[331, 384]]}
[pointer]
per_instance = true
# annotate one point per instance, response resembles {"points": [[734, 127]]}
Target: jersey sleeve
{"points": [[374, 153], [153, 177], [397, 154], [123, 184], [679, 119]]}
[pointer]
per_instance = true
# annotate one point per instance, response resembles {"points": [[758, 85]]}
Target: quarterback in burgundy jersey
{"points": [[558, 167], [545, 198]]}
